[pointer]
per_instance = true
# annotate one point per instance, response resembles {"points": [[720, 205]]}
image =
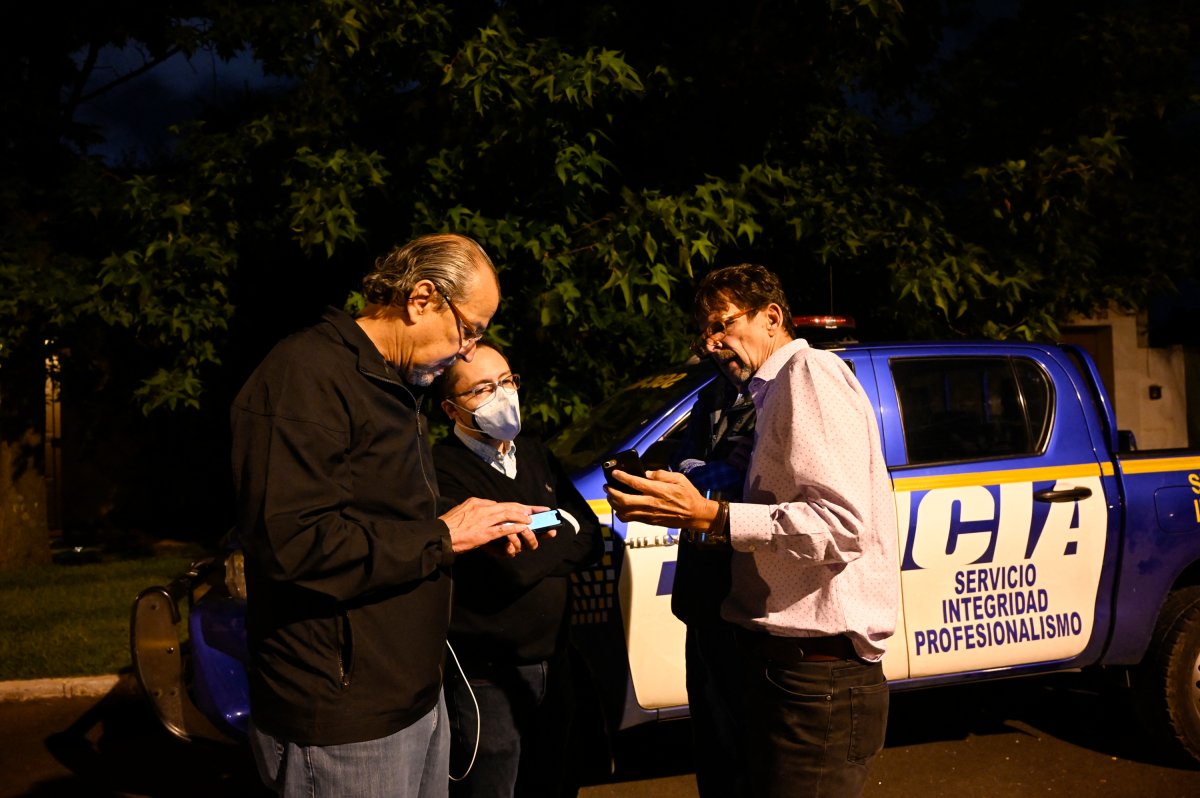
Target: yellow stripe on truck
{"points": [[1044, 474], [1047, 474], [600, 506], [1159, 465]]}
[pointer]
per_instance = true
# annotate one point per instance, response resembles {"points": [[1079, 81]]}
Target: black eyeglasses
{"points": [[487, 390], [468, 333], [715, 332]]}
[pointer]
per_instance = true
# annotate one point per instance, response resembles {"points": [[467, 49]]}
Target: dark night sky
{"points": [[133, 118]]}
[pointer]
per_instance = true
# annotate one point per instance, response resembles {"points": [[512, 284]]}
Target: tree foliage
{"points": [[948, 168]]}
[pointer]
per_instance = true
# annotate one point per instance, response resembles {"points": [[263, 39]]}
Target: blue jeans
{"points": [[411, 762], [524, 719], [812, 728]]}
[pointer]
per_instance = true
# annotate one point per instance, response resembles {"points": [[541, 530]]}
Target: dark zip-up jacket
{"points": [[347, 564]]}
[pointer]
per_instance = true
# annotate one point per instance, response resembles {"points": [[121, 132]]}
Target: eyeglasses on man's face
{"points": [[468, 333], [714, 332], [487, 391]]}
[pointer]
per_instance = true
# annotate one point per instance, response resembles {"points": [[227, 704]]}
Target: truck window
{"points": [[971, 408], [622, 415]]}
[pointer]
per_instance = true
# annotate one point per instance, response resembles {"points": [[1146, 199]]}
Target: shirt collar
{"points": [[770, 369], [504, 462]]}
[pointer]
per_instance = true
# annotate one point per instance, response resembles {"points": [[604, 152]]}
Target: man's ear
{"points": [[774, 315], [448, 408], [420, 298]]}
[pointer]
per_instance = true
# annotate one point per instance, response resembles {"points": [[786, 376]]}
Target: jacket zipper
{"points": [[421, 455], [417, 402], [345, 649]]}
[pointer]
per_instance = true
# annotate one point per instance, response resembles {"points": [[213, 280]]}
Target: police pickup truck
{"points": [[1030, 541]]}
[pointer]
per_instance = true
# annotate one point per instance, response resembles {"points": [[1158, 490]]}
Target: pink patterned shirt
{"points": [[815, 537]]}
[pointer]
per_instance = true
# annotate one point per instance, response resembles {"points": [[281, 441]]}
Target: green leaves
{"points": [[323, 190], [930, 190], [499, 67], [582, 164], [172, 291]]}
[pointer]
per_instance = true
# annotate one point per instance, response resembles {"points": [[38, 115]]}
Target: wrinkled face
{"points": [[740, 340], [450, 331]]}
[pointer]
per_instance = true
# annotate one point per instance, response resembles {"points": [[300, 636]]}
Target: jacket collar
{"points": [[370, 360]]}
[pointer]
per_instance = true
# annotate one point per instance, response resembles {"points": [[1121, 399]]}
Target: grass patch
{"points": [[73, 620]]}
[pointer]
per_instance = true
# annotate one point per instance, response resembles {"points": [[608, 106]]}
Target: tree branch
{"points": [[128, 76], [89, 63]]}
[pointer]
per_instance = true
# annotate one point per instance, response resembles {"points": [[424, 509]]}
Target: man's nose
{"points": [[467, 351]]}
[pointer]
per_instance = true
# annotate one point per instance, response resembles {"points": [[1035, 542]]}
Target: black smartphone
{"points": [[628, 461], [540, 522]]}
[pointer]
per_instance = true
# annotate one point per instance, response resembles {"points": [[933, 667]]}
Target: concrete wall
{"points": [[1139, 373]]}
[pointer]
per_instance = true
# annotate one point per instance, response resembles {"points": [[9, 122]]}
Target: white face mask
{"points": [[501, 417]]}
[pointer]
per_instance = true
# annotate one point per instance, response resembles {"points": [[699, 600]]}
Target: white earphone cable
{"points": [[478, 724]]}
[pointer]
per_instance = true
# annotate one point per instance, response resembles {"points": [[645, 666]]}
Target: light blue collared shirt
{"points": [[504, 462]]}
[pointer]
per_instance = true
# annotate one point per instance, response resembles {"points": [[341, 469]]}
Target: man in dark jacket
{"points": [[511, 714], [347, 559], [714, 453]]}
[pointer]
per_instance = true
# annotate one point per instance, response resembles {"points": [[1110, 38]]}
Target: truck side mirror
{"points": [[1126, 442]]}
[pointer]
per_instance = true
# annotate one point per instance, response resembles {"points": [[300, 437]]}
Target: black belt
{"points": [[797, 649]]}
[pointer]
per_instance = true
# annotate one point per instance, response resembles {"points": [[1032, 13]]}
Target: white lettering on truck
{"points": [[992, 578]]}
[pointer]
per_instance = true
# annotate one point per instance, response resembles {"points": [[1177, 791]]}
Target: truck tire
{"points": [[1167, 683]]}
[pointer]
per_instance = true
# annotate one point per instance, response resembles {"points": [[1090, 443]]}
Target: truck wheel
{"points": [[1167, 682]]}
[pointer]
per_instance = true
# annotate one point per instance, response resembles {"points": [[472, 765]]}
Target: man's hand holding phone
{"points": [[477, 522], [628, 461], [659, 498]]}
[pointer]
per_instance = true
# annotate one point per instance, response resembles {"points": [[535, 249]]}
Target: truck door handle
{"points": [[1066, 495]]}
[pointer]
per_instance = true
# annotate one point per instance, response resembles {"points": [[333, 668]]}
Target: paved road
{"points": [[1047, 736]]}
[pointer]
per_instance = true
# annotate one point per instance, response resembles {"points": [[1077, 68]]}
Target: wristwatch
{"points": [[717, 533]]}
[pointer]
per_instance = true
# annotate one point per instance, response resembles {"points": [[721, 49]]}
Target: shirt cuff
{"points": [[749, 526]]}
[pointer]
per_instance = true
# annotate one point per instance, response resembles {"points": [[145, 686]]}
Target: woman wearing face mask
{"points": [[510, 614]]}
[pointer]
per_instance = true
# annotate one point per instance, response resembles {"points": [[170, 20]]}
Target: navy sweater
{"points": [[514, 610]]}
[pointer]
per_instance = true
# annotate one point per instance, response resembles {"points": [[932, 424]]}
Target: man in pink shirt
{"points": [[815, 574]]}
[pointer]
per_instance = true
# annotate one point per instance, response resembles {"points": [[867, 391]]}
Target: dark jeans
{"points": [[812, 727], [524, 714], [714, 689]]}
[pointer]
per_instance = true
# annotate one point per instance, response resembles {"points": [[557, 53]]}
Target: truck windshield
{"points": [[618, 419]]}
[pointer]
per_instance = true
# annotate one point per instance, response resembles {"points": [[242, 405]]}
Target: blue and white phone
{"points": [[540, 522]]}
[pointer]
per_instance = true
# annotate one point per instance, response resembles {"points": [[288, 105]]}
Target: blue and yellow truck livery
{"points": [[1029, 541]]}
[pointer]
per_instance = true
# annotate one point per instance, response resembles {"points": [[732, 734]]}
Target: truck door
{"points": [[1001, 512]]}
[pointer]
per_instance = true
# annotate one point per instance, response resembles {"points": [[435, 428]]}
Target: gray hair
{"points": [[450, 260]]}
